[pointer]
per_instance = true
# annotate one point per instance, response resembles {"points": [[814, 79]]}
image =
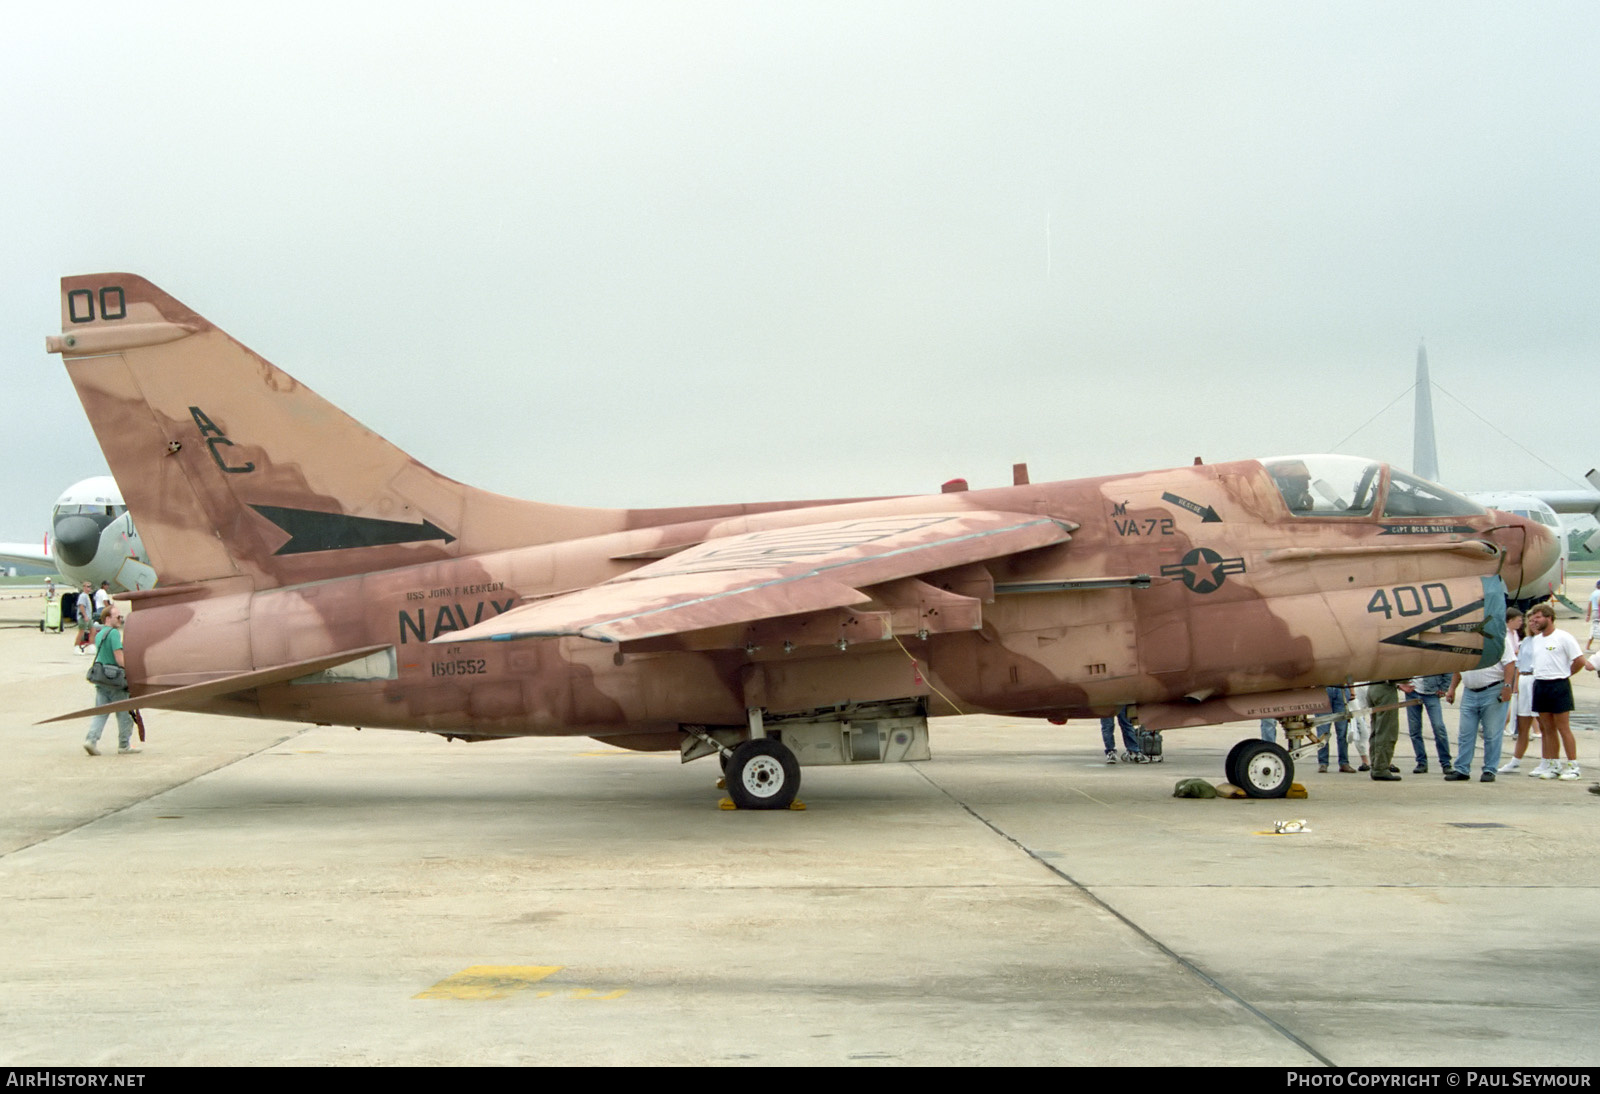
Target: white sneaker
{"points": [[1538, 772], [1111, 756], [1509, 766], [1553, 771], [1570, 773]]}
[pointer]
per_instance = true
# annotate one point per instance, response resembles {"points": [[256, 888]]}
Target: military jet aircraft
{"points": [[311, 571]]}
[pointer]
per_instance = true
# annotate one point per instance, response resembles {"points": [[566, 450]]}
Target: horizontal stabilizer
{"points": [[764, 575], [191, 694]]}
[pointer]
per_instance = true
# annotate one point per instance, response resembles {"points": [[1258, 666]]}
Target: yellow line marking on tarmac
{"points": [[504, 981], [489, 982]]}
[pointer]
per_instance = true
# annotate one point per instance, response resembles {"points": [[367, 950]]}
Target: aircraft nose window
{"points": [[1410, 496], [1327, 486]]}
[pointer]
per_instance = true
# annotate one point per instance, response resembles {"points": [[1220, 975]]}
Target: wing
{"points": [[859, 573], [25, 554]]}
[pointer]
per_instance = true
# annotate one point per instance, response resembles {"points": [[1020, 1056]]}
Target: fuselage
{"points": [[1176, 586]]}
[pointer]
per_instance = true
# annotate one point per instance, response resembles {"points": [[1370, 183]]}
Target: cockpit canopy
{"points": [[1349, 486], [99, 509]]}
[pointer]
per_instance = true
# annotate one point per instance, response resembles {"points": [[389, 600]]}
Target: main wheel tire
{"points": [[1230, 766], [1265, 769], [763, 774]]}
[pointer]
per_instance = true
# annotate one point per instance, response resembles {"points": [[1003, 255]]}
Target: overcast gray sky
{"points": [[650, 254]]}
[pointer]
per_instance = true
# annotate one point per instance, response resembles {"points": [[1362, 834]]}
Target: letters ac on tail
{"points": [[310, 570]]}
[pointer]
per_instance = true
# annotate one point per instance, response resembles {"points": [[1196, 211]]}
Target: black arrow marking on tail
{"points": [[1206, 514], [313, 531]]}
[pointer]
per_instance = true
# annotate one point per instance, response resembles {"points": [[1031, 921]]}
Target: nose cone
{"points": [[77, 540], [1534, 556]]}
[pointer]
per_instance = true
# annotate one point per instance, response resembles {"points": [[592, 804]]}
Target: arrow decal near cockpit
{"points": [[310, 530], [1206, 513]]}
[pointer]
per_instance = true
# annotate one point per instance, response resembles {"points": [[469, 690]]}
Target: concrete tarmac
{"points": [[262, 893]]}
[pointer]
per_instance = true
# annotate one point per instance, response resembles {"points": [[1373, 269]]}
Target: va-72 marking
{"points": [[1143, 526]]}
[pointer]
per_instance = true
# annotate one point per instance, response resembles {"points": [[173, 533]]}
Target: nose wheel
{"points": [[1262, 769]]}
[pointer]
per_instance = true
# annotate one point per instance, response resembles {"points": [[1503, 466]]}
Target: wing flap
{"points": [[765, 575]]}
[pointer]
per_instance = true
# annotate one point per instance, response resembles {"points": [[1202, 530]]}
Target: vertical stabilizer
{"points": [[1424, 452], [231, 467]]}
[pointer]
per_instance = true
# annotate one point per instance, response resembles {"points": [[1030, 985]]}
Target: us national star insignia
{"points": [[1203, 570]]}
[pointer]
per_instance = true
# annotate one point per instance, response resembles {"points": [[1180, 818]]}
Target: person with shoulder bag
{"points": [[110, 680]]}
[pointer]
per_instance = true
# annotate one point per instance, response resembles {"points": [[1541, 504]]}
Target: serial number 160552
{"points": [[459, 668]]}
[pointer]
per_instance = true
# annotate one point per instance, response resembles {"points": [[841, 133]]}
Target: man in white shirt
{"points": [[1591, 616], [1485, 694], [83, 609], [1555, 660]]}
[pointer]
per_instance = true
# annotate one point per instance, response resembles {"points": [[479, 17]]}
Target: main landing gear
{"points": [[761, 760], [759, 772], [762, 773]]}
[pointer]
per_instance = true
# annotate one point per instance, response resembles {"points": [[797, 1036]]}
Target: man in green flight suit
{"points": [[1385, 728]]}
